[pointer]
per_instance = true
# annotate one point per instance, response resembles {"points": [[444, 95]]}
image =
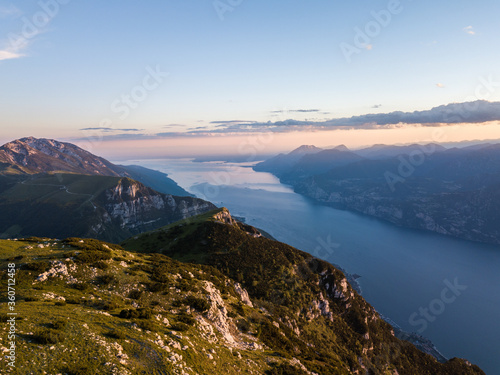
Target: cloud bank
{"points": [[480, 111]]}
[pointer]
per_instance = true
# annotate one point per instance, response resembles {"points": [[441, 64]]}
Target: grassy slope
{"points": [[287, 282], [89, 343]]}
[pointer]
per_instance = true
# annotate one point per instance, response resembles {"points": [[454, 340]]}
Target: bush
{"points": [[106, 279], [147, 325], [157, 287], [135, 294], [60, 303], [136, 314], [39, 267], [243, 325], [108, 305], [116, 334], [73, 301], [101, 265], [186, 319], [81, 286], [181, 327], [91, 256], [199, 304], [48, 336], [239, 308], [59, 324], [31, 299]]}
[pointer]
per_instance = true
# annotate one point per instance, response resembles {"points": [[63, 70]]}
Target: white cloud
{"points": [[469, 30], [8, 55], [440, 85]]}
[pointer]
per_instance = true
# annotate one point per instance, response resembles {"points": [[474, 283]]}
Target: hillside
{"points": [[448, 191], [255, 306], [108, 208], [39, 155]]}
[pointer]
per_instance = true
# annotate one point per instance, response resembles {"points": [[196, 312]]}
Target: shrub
{"points": [[243, 325], [60, 303], [147, 325], [199, 304], [81, 286], [181, 327], [186, 319], [135, 294], [48, 336], [73, 301], [59, 324], [157, 287], [30, 299], [91, 256], [116, 334], [106, 279], [136, 314], [108, 305], [101, 265], [39, 267], [239, 308]]}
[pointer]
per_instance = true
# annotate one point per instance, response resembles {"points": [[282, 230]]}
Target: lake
{"points": [[443, 288]]}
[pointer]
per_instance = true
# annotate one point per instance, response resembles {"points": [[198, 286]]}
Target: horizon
{"points": [[202, 77]]}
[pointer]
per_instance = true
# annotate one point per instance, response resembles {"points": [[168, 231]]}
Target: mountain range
{"points": [[450, 191], [56, 189], [206, 295]]}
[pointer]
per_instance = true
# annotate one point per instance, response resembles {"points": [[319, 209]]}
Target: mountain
{"points": [[39, 155], [320, 162], [237, 303], [108, 208], [380, 151], [33, 155], [56, 189], [449, 191], [281, 164]]}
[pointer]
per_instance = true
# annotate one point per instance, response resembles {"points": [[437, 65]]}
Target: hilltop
{"points": [[244, 304]]}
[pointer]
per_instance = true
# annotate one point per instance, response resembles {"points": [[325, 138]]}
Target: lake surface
{"points": [[443, 288]]}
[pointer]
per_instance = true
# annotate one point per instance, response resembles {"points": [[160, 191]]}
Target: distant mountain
{"points": [[320, 162], [39, 155], [380, 151], [449, 191], [282, 163], [33, 155]]}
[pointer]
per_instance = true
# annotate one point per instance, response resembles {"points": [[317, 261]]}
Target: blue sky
{"points": [[251, 61]]}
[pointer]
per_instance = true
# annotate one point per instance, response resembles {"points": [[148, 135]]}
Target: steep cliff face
{"points": [[107, 208], [136, 208]]}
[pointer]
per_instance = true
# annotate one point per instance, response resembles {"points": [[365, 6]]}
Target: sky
{"points": [[184, 77]]}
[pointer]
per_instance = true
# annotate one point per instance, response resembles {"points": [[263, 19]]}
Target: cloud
{"points": [[111, 129], [9, 55], [369, 47], [229, 122], [377, 106], [440, 85], [479, 111], [297, 110], [470, 30]]}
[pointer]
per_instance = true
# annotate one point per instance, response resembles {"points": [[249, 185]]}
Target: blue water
{"points": [[401, 270]]}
